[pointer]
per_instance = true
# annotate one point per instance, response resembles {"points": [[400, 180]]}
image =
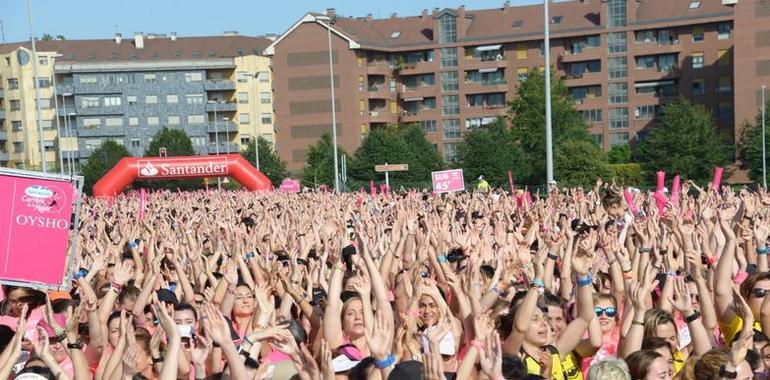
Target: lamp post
{"points": [[764, 158], [548, 131], [37, 91], [255, 78], [227, 142], [216, 138], [334, 111], [66, 128], [58, 127]]}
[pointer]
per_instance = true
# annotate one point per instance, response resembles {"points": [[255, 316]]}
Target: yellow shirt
{"points": [[483, 185], [730, 330], [557, 371], [571, 365], [678, 361]]}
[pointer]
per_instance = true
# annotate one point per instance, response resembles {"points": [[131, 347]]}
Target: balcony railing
{"points": [[221, 127], [219, 85], [221, 107], [3, 135], [2, 115], [224, 148], [492, 58], [101, 131], [493, 82], [373, 88], [3, 156]]}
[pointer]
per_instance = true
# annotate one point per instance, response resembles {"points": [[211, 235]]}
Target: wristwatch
{"points": [[725, 374], [76, 345]]}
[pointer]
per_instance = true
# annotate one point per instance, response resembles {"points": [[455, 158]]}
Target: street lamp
{"points": [[548, 130], [227, 142], [764, 158], [66, 128], [216, 137], [255, 78], [334, 112]]}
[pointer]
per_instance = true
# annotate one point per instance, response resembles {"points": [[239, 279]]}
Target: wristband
{"points": [[248, 255], [133, 245], [628, 275], [158, 359], [116, 287], [724, 373], [538, 283], [692, 317], [413, 313], [638, 323], [339, 268], [740, 277], [763, 250], [385, 363], [442, 259], [711, 260], [552, 256], [76, 345], [477, 344], [645, 250], [585, 281], [671, 274]]}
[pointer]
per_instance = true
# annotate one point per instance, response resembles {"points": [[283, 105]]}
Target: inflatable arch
{"points": [[131, 169]]}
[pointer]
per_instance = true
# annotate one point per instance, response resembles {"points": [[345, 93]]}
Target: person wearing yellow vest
{"points": [[483, 185], [532, 336]]}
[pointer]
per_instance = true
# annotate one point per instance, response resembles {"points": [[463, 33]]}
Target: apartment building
{"points": [[453, 70], [217, 89]]}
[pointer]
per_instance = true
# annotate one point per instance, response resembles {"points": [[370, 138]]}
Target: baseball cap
{"points": [[165, 295], [342, 363]]}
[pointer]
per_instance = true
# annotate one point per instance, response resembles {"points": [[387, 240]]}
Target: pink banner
{"points": [[630, 201], [372, 189], [661, 181], [34, 208], [142, 202], [289, 185], [675, 191], [510, 181], [717, 180], [519, 198], [660, 201], [528, 197], [448, 181]]}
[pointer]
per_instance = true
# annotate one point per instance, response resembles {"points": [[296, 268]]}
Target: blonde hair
{"points": [[654, 318], [609, 369], [707, 367]]}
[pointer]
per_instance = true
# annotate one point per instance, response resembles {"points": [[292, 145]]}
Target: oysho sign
{"points": [[186, 167]]}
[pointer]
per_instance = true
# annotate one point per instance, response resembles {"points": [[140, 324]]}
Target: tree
{"points": [[102, 160], [527, 115], [490, 151], [269, 163], [579, 163], [619, 154], [685, 142], [177, 143], [751, 146], [46, 37], [397, 144], [320, 163]]}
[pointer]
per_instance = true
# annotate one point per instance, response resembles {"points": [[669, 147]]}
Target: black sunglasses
{"points": [[758, 292]]}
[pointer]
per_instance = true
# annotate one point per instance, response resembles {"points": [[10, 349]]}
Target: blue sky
{"points": [[89, 19]]}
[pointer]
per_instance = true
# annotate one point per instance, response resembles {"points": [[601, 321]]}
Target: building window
{"points": [[724, 29], [150, 78], [725, 111], [448, 57], [452, 129], [136, 143], [450, 152], [267, 118], [521, 50], [195, 99], [616, 13], [429, 126], [264, 97], [618, 93], [618, 138], [111, 101], [193, 77], [616, 42], [725, 85], [196, 119], [243, 118], [697, 60], [243, 97], [173, 120], [245, 139], [521, 74], [15, 125], [698, 86], [598, 139], [263, 76], [618, 118], [242, 76], [89, 102], [617, 67], [172, 99], [645, 112], [666, 62], [131, 99], [449, 81], [47, 124], [450, 105], [645, 36], [43, 60], [447, 29], [13, 84], [198, 141], [92, 123], [579, 94], [645, 62], [724, 58], [113, 121], [133, 121], [697, 33], [15, 104], [18, 147], [592, 116], [151, 99], [153, 121], [44, 82], [88, 79]]}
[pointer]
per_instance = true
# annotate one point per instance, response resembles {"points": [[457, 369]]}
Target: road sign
{"points": [[391, 168], [448, 181]]}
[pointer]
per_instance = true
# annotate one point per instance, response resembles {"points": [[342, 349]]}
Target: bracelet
{"points": [[339, 268], [552, 256], [585, 281], [538, 283], [692, 317], [671, 274], [645, 250], [117, 288], [158, 359], [763, 250], [740, 277], [628, 275], [76, 345], [441, 259], [477, 344], [638, 323], [627, 270], [724, 373], [385, 363]]}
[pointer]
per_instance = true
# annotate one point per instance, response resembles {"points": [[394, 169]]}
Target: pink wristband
{"points": [[413, 313], [740, 277]]}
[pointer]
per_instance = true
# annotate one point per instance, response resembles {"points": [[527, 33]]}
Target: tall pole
{"points": [[334, 111], [37, 84], [58, 129], [548, 131], [255, 78], [66, 131], [216, 141], [764, 158]]}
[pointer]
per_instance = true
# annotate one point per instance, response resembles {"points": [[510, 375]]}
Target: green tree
{"points": [[319, 169], [46, 37], [396, 144], [619, 154], [490, 151], [751, 146], [685, 141], [177, 143], [102, 160], [579, 163], [527, 115], [269, 163]]}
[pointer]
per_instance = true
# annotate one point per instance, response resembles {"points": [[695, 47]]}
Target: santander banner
{"points": [[35, 228], [130, 169]]}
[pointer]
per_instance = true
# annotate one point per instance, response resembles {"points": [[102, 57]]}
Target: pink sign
{"points": [[290, 186], [35, 229], [448, 181]]}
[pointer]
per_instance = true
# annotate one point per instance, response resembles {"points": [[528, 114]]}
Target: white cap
{"points": [[343, 363], [445, 347], [30, 376]]}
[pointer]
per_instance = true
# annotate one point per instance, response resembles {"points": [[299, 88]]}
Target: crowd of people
{"points": [[408, 285]]}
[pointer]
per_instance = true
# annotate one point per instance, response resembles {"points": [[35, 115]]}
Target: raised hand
{"points": [[380, 340], [491, 357]]}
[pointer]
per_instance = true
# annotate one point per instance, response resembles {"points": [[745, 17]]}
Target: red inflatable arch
{"points": [[131, 169]]}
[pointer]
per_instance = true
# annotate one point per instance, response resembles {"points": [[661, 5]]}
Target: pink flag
{"points": [[660, 201], [510, 181], [661, 181], [528, 197], [675, 191], [142, 202], [630, 201], [717, 180], [372, 189]]}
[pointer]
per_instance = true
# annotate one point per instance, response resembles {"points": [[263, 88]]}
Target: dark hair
{"points": [[639, 363], [611, 197], [361, 370], [487, 271], [513, 367], [6, 335], [128, 291], [186, 306], [33, 298], [39, 370], [551, 299], [61, 305], [754, 359], [654, 343]]}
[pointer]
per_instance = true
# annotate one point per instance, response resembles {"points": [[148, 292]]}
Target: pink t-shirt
{"points": [[34, 317]]}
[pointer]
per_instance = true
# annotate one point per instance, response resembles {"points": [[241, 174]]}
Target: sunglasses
{"points": [[608, 311], [758, 293]]}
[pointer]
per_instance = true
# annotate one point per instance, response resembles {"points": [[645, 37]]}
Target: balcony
{"points": [[420, 67], [584, 79], [91, 88], [224, 147], [219, 85], [644, 74], [381, 115], [586, 54], [101, 131], [2, 115], [64, 88], [94, 111], [4, 156], [489, 85], [1, 93], [655, 47], [221, 127], [221, 107], [379, 67], [3, 135]]}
